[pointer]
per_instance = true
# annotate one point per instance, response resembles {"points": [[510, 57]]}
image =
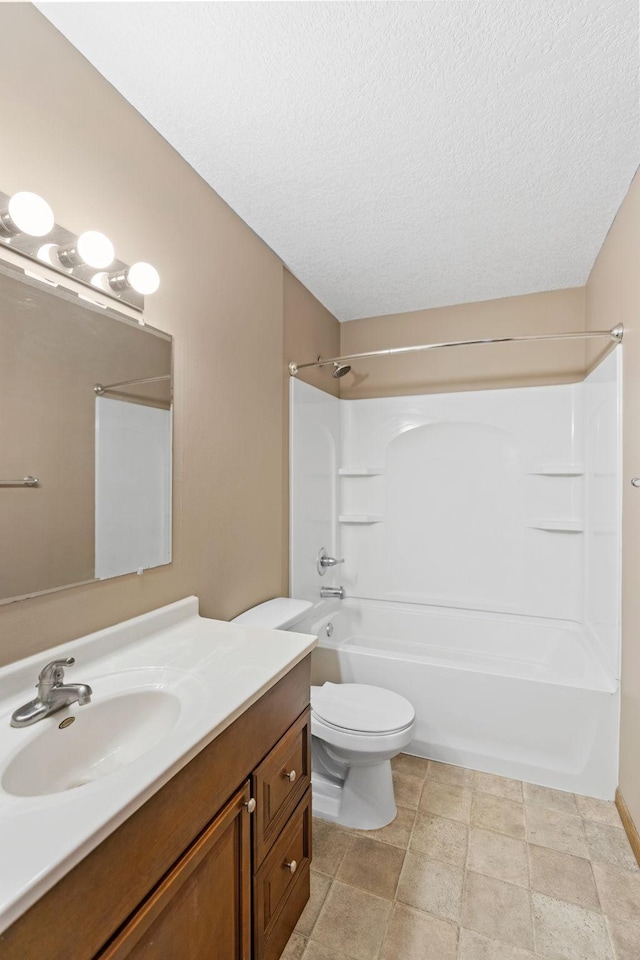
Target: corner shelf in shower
{"points": [[363, 518], [558, 526], [559, 470], [360, 471]]}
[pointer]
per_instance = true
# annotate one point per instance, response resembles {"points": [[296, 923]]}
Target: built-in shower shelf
{"points": [[360, 471], [558, 526], [559, 470], [360, 518]]}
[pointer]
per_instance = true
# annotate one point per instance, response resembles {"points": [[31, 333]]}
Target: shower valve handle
{"points": [[324, 561]]}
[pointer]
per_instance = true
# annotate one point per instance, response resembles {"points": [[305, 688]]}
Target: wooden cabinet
{"points": [[192, 875], [280, 782], [203, 906], [281, 884]]}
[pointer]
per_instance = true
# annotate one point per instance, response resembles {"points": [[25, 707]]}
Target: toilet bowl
{"points": [[356, 730]]}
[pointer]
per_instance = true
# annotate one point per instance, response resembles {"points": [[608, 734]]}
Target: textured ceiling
{"points": [[395, 155]]}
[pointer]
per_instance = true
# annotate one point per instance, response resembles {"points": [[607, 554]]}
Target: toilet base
{"points": [[364, 800]]}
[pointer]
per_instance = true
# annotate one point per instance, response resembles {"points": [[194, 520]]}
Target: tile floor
{"points": [[475, 867]]}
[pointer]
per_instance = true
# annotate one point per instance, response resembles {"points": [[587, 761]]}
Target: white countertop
{"points": [[216, 669]]}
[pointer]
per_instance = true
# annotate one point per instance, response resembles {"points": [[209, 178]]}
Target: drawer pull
{"points": [[290, 776], [291, 865], [251, 804]]}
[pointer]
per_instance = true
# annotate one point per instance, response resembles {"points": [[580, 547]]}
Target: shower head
{"points": [[340, 370]]}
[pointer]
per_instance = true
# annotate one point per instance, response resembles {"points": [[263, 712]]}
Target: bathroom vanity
{"points": [[214, 851]]}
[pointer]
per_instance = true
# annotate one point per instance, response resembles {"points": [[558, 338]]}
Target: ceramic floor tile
{"points": [[456, 855], [602, 811], [431, 885], [319, 889], [397, 833], [626, 939], [474, 946], [499, 856], [448, 773], [498, 786], [372, 866], [413, 935], [315, 951], [352, 922], [497, 813], [329, 847], [407, 790], [551, 799], [569, 932], [609, 845], [414, 766], [440, 839], [500, 911], [619, 891], [294, 948], [559, 831], [563, 876], [446, 800]]}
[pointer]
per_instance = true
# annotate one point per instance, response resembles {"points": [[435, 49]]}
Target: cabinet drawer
{"points": [[275, 882], [279, 783]]}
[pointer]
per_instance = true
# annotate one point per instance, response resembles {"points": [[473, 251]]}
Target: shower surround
{"points": [[481, 538]]}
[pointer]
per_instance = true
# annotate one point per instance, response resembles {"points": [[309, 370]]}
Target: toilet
{"points": [[356, 730]]}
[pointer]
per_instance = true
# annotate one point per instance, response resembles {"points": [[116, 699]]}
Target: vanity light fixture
{"points": [[26, 213], [25, 218]]}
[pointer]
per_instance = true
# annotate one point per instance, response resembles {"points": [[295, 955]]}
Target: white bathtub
{"points": [[516, 696]]}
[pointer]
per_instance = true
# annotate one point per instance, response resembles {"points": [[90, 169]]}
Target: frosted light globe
{"points": [[143, 278], [31, 214]]}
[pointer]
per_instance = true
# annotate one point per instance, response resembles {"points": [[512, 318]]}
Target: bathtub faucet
{"points": [[336, 592]]}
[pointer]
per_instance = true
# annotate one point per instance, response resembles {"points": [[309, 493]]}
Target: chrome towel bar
{"points": [[25, 482]]}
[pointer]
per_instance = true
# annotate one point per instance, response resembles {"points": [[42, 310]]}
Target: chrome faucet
{"points": [[337, 592], [53, 694]]}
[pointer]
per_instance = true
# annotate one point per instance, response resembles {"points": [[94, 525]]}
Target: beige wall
{"points": [[613, 296], [467, 368], [310, 331], [101, 165]]}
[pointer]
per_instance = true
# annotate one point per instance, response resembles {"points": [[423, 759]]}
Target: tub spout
{"points": [[335, 592]]}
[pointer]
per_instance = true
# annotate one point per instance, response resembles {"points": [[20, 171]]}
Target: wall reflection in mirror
{"points": [[102, 457]]}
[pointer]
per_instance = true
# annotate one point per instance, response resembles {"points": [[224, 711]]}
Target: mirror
{"points": [[102, 503]]}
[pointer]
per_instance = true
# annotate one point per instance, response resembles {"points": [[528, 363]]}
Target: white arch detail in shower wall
{"points": [[454, 517], [541, 426]]}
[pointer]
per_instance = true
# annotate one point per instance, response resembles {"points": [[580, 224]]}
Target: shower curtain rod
{"points": [[616, 333]]}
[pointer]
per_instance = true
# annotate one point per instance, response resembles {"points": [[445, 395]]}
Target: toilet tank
{"points": [[277, 613]]}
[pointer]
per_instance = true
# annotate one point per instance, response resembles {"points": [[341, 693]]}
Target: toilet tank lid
{"points": [[277, 613]]}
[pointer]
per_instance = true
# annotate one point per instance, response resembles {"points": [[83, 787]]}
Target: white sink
{"points": [[164, 686], [104, 737]]}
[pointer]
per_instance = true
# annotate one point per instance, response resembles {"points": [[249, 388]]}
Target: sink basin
{"points": [[104, 737]]}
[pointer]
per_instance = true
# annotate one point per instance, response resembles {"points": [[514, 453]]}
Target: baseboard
{"points": [[629, 826]]}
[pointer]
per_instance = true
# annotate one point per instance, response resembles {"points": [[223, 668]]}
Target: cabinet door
{"points": [[202, 909]]}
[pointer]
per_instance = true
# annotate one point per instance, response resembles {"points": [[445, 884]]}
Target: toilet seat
{"points": [[361, 709]]}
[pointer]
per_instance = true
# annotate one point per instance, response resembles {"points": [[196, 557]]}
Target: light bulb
{"points": [[31, 214], [143, 278], [101, 281], [47, 253], [95, 249]]}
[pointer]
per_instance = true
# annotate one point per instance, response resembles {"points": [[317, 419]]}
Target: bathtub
{"points": [[520, 697]]}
